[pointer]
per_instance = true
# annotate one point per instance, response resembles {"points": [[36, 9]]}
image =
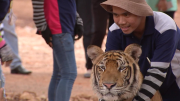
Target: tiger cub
{"points": [[115, 74]]}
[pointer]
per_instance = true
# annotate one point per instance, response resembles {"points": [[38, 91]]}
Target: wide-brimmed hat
{"points": [[136, 7]]}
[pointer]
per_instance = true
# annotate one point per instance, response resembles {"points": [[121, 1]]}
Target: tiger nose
{"points": [[109, 85]]}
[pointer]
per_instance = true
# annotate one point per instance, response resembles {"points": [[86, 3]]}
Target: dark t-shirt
{"points": [[60, 15], [159, 43], [4, 7]]}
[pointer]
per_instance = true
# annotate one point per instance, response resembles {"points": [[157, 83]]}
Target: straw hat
{"points": [[136, 7]]}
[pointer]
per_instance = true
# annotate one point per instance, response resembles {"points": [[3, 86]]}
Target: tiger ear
{"points": [[93, 52], [134, 50]]}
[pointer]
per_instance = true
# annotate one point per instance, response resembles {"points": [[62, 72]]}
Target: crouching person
{"points": [[159, 38]]}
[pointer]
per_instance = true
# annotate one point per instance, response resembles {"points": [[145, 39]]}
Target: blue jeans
{"points": [[11, 39], [64, 69], [2, 83]]}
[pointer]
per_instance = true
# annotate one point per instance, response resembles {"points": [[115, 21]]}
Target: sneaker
{"points": [[88, 74]]}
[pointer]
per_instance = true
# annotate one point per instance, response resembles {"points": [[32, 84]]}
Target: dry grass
{"points": [[25, 96], [31, 96], [84, 97]]}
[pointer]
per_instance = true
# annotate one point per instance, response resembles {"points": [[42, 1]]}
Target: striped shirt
{"points": [[161, 44], [38, 15]]}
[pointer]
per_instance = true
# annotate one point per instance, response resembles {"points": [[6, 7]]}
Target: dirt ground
{"points": [[37, 57]]}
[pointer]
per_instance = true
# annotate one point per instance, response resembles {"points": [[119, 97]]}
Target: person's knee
{"points": [[70, 76], [73, 75]]}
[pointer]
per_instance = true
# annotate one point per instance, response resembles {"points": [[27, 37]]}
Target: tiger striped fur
{"points": [[115, 74]]}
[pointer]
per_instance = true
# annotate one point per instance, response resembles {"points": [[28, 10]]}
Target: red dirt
{"points": [[37, 57]]}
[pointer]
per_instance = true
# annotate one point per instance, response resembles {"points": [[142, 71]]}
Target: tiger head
{"points": [[116, 74]]}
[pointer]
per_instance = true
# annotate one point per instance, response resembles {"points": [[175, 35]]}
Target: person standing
{"points": [[167, 6], [159, 37], [55, 21], [11, 39], [100, 18], [84, 8]]}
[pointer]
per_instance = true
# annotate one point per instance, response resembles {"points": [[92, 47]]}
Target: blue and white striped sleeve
{"points": [[165, 48]]}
